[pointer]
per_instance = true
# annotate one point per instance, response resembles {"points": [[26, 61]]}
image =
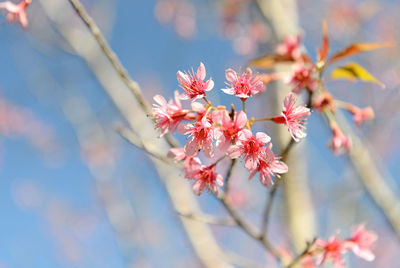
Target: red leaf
{"points": [[357, 48], [323, 52]]}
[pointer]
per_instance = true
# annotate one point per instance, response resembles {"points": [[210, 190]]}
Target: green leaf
{"points": [[353, 71]]}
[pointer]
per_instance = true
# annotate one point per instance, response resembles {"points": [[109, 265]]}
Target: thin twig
{"points": [[305, 252], [199, 234], [272, 193], [208, 219], [228, 176], [247, 228], [129, 136], [115, 62]]}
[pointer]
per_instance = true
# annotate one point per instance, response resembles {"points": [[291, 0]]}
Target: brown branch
{"points": [[247, 228], [272, 193], [228, 176], [304, 253]]}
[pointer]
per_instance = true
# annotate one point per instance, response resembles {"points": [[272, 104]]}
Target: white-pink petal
{"points": [[244, 134], [208, 148], [198, 187], [210, 85], [201, 72], [191, 147], [183, 78], [160, 100], [229, 91], [262, 137], [231, 76], [235, 151]]}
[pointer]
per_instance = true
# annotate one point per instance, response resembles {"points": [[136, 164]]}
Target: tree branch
{"points": [[115, 62]]}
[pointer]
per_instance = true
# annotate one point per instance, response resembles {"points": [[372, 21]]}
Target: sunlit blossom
{"points": [[228, 128], [269, 166], [243, 85], [193, 83], [168, 115], [294, 117], [250, 147], [205, 177], [201, 136]]}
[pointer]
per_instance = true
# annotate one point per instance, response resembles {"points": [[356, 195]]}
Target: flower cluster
{"points": [[359, 243], [210, 128], [306, 76]]}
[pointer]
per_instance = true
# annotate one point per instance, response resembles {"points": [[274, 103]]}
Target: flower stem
{"points": [[207, 101], [262, 119]]}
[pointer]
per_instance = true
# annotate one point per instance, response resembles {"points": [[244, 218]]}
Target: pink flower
{"points": [[290, 47], [250, 147], [361, 115], [293, 117], [324, 100], [302, 77], [339, 142], [361, 243], [177, 153], [333, 249], [269, 165], [190, 162], [168, 115], [16, 12], [201, 134], [200, 109], [193, 84], [228, 129], [243, 85], [205, 177]]}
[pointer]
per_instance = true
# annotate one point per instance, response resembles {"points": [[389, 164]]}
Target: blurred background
{"points": [[58, 138]]}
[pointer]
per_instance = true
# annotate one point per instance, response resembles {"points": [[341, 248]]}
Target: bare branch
{"points": [[305, 252], [228, 176], [199, 234], [115, 62], [129, 136], [208, 219]]}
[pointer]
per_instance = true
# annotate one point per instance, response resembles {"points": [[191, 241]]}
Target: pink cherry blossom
{"points": [[201, 136], [293, 117], [168, 115], [307, 262], [16, 12], [361, 115], [361, 243], [227, 132], [290, 47], [205, 177], [250, 147], [177, 153], [324, 100], [302, 77], [190, 162], [269, 165], [193, 83], [339, 142], [201, 110], [242, 85], [332, 249]]}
